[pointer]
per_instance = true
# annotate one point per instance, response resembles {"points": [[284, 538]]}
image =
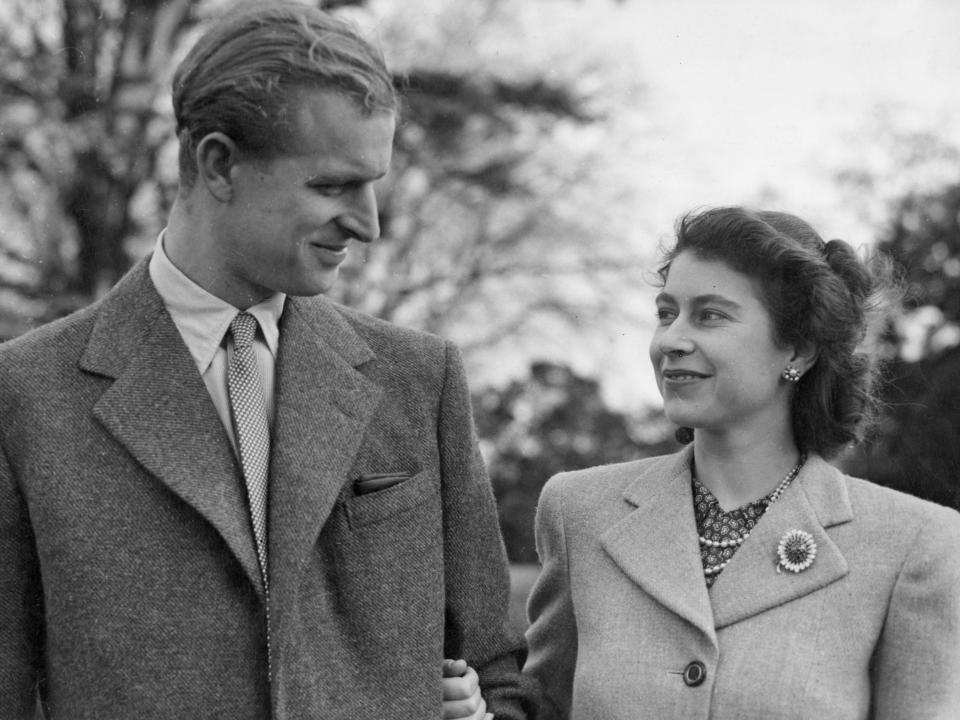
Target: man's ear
{"points": [[216, 156]]}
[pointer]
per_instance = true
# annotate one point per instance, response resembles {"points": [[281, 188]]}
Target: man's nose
{"points": [[360, 218]]}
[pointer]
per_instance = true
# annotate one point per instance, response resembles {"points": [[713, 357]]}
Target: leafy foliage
{"points": [[79, 89], [924, 237], [916, 447], [481, 208], [552, 422]]}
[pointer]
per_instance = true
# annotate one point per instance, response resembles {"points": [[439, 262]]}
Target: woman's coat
{"points": [[623, 625]]}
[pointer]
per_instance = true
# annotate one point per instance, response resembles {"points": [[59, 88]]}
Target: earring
{"points": [[791, 374]]}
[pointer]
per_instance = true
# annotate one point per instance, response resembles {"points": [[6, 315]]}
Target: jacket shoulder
{"points": [[384, 336], [891, 507], [613, 477], [57, 341]]}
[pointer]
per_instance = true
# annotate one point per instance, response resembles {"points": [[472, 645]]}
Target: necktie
{"points": [[250, 427]]}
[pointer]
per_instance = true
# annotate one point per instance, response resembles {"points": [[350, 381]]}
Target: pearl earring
{"points": [[791, 374]]}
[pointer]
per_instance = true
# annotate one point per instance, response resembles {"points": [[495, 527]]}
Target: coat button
{"points": [[695, 673]]}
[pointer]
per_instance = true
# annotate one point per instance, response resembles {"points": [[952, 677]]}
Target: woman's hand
{"points": [[461, 693]]}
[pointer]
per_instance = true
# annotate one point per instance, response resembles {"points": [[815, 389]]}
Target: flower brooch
{"points": [[796, 551]]}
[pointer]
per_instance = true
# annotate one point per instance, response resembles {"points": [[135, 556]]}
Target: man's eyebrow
{"points": [[331, 179]]}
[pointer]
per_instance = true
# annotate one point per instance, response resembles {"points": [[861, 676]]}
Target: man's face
{"points": [[289, 220]]}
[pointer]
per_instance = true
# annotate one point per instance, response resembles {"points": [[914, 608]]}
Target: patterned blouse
{"points": [[716, 525]]}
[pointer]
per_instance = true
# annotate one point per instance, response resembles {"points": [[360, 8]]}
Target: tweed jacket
{"points": [[621, 609], [129, 585]]}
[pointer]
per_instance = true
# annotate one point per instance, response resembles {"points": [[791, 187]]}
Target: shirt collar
{"points": [[201, 317]]}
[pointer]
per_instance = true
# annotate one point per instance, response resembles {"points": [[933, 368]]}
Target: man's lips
{"points": [[333, 253]]}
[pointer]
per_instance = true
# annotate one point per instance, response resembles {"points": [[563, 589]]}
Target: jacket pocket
{"points": [[375, 507]]}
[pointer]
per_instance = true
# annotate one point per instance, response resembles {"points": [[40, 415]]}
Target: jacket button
{"points": [[695, 673]]}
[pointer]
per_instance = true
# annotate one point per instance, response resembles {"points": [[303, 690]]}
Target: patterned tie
{"points": [[250, 427]]}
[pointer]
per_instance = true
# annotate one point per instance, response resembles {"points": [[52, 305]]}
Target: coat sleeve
{"points": [[916, 666], [477, 581], [20, 603], [552, 634]]}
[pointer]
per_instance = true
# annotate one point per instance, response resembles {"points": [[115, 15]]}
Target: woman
{"points": [[745, 577]]}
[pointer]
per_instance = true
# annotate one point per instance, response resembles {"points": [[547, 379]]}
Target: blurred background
{"points": [[545, 150]]}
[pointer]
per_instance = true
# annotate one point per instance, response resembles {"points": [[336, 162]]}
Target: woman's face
{"points": [[713, 352]]}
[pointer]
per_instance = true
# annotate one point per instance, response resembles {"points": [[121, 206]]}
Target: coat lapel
{"points": [[159, 409], [323, 406], [750, 584], [656, 544]]}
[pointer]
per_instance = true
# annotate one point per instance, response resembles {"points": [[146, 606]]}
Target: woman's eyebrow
{"points": [[707, 299]]}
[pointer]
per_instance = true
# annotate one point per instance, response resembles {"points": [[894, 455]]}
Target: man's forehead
{"points": [[332, 133]]}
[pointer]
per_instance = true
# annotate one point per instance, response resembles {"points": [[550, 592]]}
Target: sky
{"points": [[763, 102], [709, 102], [758, 102], [750, 93]]}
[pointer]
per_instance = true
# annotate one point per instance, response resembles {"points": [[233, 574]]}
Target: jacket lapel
{"points": [[656, 544], [323, 406], [159, 409], [750, 584]]}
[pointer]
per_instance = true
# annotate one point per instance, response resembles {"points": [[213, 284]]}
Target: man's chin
{"points": [[316, 285]]}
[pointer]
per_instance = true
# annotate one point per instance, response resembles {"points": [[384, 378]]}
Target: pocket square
{"points": [[380, 481]]}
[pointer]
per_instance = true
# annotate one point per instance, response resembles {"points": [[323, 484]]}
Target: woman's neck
{"points": [[740, 470]]}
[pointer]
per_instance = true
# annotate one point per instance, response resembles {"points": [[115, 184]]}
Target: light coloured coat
{"points": [[129, 585], [871, 630]]}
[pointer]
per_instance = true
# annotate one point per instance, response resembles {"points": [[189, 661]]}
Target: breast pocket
{"points": [[420, 494]]}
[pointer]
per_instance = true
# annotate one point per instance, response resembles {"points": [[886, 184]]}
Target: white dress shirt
{"points": [[203, 320]]}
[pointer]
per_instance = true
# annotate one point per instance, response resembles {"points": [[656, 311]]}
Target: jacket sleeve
{"points": [[916, 666], [552, 634], [477, 581], [20, 603]]}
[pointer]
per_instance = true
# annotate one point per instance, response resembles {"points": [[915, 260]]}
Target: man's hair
{"points": [[242, 76], [816, 292]]}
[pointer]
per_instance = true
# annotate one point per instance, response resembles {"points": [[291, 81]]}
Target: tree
{"points": [[923, 236], [553, 421], [79, 86], [491, 220], [916, 448]]}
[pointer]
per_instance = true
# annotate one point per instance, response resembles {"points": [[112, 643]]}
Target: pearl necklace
{"points": [[738, 541]]}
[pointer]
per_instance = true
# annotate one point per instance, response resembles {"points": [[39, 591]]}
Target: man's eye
{"points": [[330, 190]]}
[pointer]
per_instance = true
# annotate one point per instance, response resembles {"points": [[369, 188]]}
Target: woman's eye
{"points": [[665, 316], [712, 316]]}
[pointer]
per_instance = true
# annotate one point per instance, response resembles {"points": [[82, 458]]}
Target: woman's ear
{"points": [[804, 356], [216, 156]]}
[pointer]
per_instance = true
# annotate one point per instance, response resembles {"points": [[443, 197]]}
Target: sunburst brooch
{"points": [[796, 551]]}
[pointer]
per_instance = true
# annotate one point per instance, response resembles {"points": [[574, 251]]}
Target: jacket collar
{"points": [[159, 410], [655, 544], [324, 404], [815, 501]]}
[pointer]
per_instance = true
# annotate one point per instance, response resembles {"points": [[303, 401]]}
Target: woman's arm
{"points": [[916, 666], [552, 635]]}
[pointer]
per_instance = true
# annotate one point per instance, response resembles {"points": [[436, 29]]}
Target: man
{"points": [[221, 497]]}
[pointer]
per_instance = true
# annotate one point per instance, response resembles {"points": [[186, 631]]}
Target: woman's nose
{"points": [[673, 340]]}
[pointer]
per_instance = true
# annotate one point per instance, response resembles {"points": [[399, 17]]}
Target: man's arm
{"points": [[476, 575], [20, 603]]}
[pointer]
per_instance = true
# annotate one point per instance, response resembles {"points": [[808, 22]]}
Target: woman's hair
{"points": [[243, 75], [816, 292]]}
